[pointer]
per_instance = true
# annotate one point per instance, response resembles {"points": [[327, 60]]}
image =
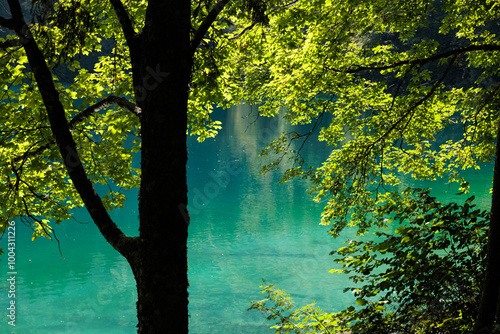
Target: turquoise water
{"points": [[244, 227]]}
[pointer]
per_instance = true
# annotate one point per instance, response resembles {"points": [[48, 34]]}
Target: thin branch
{"points": [[317, 123], [287, 5], [243, 31], [110, 100], [486, 101], [410, 110], [423, 61], [39, 222], [58, 243], [400, 84], [125, 22], [408, 115], [205, 25]]}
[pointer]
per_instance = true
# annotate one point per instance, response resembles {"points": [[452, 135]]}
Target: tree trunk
{"points": [[161, 57], [164, 67], [491, 285]]}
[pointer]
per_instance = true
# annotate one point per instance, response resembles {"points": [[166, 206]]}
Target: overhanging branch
{"points": [[127, 246], [80, 117], [422, 61], [410, 110], [124, 19], [243, 31], [110, 100], [205, 25], [10, 43]]}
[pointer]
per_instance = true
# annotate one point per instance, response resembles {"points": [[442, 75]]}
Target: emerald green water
{"points": [[244, 227]]}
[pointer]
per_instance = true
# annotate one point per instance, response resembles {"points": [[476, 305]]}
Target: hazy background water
{"points": [[244, 227]]}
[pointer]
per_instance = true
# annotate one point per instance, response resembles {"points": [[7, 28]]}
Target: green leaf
{"points": [[361, 302]]}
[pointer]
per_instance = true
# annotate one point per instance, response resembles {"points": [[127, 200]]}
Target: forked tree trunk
{"points": [[488, 308]]}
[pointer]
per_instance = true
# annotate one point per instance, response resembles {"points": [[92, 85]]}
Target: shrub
{"points": [[423, 278]]}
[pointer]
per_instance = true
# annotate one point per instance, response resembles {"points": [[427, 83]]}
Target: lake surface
{"points": [[245, 227]]}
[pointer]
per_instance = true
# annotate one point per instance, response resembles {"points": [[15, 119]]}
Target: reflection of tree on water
{"points": [[248, 134], [251, 227], [280, 209]]}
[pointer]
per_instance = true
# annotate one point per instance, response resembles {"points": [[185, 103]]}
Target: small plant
{"points": [[279, 307]]}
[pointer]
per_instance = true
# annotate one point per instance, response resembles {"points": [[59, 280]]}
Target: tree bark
{"points": [[491, 284], [165, 67]]}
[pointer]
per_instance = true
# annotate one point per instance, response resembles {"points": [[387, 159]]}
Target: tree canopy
{"points": [[380, 82], [89, 57]]}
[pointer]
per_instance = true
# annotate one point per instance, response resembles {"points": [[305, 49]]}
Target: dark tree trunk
{"points": [[161, 57], [491, 285], [164, 67]]}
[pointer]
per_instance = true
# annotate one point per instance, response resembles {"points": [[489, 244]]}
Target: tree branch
{"points": [[16, 23], [110, 100], [10, 43], [410, 110], [16, 18], [67, 146], [6, 23], [243, 31], [423, 61], [125, 22], [205, 25]]}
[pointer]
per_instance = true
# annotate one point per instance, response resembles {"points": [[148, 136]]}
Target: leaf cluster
{"points": [[392, 78], [76, 19], [215, 81], [278, 306], [423, 278], [426, 276], [35, 187]]}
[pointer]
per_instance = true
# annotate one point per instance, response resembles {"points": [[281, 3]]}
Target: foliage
{"points": [[35, 185], [379, 82], [423, 278], [87, 52], [292, 319]]}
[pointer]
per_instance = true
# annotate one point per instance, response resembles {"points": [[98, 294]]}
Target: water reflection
{"points": [[252, 229]]}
